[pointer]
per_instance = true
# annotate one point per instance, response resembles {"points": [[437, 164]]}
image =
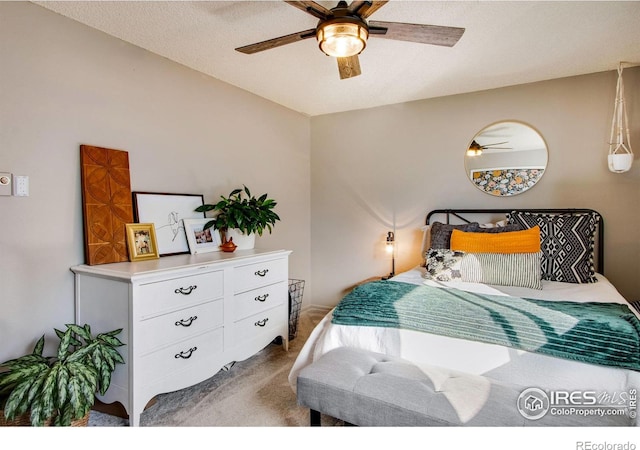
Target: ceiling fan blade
{"points": [[355, 6], [411, 32], [369, 8], [313, 8], [277, 42], [494, 144], [349, 67]]}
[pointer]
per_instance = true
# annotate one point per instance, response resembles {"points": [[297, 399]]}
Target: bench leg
{"points": [[314, 418]]}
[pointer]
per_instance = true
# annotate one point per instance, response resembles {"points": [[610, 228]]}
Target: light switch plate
{"points": [[21, 186], [5, 183]]}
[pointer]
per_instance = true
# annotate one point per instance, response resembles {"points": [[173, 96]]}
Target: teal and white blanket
{"points": [[598, 333]]}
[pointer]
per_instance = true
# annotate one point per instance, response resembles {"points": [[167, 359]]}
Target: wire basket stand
{"points": [[296, 288]]}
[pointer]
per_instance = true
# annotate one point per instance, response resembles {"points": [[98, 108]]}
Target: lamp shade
{"points": [[389, 242], [342, 39]]}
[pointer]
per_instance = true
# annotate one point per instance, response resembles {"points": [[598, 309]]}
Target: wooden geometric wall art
{"points": [[106, 203]]}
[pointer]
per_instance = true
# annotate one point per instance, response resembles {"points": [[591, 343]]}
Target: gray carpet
{"points": [[252, 393]]}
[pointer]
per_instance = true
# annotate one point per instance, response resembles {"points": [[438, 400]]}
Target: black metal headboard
{"points": [[462, 214]]}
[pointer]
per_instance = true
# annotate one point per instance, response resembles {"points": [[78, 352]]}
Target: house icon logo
{"points": [[533, 403]]}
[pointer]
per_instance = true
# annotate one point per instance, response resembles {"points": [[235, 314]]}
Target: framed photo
{"points": [[199, 239], [141, 241], [167, 212]]}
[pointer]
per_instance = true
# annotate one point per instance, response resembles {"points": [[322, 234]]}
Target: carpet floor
{"points": [[252, 393]]}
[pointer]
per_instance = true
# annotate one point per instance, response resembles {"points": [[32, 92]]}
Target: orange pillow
{"points": [[525, 241]]}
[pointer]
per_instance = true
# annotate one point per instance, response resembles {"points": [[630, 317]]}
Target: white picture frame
{"points": [[200, 240], [167, 212]]}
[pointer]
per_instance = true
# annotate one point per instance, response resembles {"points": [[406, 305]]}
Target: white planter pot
{"points": [[620, 162], [243, 241]]}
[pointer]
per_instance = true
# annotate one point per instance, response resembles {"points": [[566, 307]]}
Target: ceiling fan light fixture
{"points": [[342, 39], [475, 149]]}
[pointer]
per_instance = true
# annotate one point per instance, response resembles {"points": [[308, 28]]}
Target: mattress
{"points": [[517, 367]]}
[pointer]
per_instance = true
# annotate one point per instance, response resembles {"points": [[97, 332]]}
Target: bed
{"points": [[570, 287]]}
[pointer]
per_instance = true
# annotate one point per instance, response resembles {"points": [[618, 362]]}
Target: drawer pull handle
{"points": [[261, 323], [186, 291], [261, 298], [261, 273], [187, 322], [187, 354]]}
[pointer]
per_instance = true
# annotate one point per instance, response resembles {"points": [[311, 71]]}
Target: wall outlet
{"points": [[20, 186], [5, 183]]}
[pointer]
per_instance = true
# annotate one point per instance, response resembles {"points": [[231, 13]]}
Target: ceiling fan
{"points": [[476, 149], [343, 30]]}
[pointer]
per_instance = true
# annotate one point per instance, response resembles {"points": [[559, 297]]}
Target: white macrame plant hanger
{"points": [[620, 155]]}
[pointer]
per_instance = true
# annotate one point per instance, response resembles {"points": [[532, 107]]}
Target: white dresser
{"points": [[183, 317]]}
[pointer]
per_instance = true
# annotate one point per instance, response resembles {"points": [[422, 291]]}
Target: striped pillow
{"points": [[503, 269]]}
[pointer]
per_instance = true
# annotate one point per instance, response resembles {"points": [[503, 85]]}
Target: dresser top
{"points": [[177, 263]]}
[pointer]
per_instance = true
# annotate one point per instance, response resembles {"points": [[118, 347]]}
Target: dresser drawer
{"points": [[261, 323], [252, 276], [257, 300], [178, 325], [178, 293], [184, 355]]}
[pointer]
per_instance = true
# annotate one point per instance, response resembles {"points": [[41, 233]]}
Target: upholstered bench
{"points": [[371, 389]]}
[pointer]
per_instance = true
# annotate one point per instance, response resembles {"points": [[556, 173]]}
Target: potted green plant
{"points": [[61, 389], [242, 215]]}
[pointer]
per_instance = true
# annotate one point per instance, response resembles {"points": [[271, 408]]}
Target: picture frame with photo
{"points": [[142, 242], [199, 239], [167, 212]]}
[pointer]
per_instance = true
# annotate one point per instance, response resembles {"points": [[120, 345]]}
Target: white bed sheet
{"points": [[509, 365]]}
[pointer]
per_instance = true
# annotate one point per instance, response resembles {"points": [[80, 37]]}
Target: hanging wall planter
{"points": [[620, 156]]}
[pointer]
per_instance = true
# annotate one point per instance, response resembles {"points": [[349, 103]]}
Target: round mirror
{"points": [[506, 158]]}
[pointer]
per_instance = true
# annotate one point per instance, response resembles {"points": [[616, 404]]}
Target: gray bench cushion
{"points": [[371, 389]]}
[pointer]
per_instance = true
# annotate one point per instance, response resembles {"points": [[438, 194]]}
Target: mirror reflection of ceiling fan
{"points": [[343, 30], [476, 149]]}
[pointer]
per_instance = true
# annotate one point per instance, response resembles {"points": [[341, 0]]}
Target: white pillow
{"points": [[500, 223], [426, 241]]}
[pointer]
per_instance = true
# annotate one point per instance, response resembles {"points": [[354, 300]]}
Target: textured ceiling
{"points": [[505, 43]]}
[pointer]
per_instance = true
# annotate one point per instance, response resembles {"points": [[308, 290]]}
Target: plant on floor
{"points": [[60, 389], [242, 211]]}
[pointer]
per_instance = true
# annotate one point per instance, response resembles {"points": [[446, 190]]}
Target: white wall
{"points": [[384, 168], [63, 84]]}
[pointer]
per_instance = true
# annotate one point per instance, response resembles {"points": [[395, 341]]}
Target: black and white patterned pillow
{"points": [[567, 242], [443, 264]]}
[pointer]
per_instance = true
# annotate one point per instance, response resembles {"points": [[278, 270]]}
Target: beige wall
{"points": [[385, 168], [63, 84]]}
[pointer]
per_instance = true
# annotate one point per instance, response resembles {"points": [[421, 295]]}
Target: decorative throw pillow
{"points": [[567, 244], [524, 241], [441, 233], [500, 228], [502, 269], [443, 264]]}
